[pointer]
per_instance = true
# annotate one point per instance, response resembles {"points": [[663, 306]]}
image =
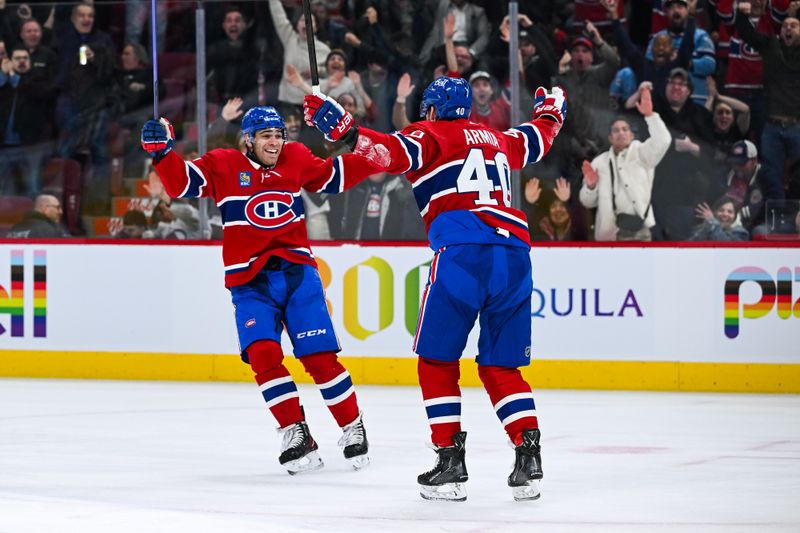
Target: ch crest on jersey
{"points": [[270, 209]]}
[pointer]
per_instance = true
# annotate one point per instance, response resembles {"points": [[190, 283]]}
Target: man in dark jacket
{"points": [[85, 82], [380, 208], [683, 177], [22, 122], [780, 139], [44, 222]]}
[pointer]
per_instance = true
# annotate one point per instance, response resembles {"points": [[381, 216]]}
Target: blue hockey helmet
{"points": [[262, 118], [450, 97]]}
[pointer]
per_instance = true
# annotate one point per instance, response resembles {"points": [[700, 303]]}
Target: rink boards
{"points": [[603, 317]]}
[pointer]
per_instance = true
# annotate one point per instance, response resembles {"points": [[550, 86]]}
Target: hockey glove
{"points": [[327, 116], [157, 137], [550, 105]]}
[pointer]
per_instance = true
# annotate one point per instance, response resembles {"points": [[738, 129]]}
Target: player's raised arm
{"points": [[530, 141], [396, 153], [181, 179]]}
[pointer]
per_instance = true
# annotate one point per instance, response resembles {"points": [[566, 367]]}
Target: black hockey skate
{"points": [[445, 481], [299, 449], [354, 443], [527, 474]]}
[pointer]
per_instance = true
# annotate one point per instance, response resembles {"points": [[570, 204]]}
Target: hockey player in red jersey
{"points": [[460, 174], [270, 268]]}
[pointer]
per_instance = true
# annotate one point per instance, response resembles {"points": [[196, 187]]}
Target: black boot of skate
{"points": [[299, 449], [527, 474], [445, 481], [354, 443]]}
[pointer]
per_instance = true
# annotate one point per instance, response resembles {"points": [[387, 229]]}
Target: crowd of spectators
{"points": [[684, 115]]}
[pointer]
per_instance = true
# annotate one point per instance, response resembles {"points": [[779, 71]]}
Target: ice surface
{"points": [[118, 456]]}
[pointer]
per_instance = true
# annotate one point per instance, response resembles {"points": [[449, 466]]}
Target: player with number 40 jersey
{"points": [[481, 270]]}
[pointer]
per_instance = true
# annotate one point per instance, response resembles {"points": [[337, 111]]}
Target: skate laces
{"points": [[293, 436], [353, 433]]}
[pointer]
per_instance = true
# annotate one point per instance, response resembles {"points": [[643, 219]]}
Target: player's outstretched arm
{"points": [[383, 152], [181, 179], [529, 142]]}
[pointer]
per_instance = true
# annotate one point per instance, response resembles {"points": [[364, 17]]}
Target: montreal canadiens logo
{"points": [[270, 209]]}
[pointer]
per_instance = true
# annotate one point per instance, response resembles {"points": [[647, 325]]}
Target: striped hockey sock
{"points": [[276, 384], [335, 385], [512, 399], [442, 397]]}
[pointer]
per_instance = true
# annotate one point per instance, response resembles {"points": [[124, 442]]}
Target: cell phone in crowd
{"points": [[82, 59]]}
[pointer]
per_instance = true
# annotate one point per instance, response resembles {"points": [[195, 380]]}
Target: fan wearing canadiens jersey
{"points": [[460, 174], [270, 268]]}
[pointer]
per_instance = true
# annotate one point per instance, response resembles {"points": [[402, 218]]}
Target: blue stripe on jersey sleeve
{"points": [[413, 150], [334, 185], [533, 143], [196, 182]]}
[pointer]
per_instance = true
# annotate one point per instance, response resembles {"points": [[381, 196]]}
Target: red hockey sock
{"points": [[512, 399], [442, 397], [335, 384], [275, 382]]}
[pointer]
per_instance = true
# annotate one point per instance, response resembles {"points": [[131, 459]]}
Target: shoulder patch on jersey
{"points": [[417, 134], [244, 179]]}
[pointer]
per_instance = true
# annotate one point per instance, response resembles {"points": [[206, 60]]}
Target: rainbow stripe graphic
{"points": [[39, 293], [14, 304], [755, 310]]}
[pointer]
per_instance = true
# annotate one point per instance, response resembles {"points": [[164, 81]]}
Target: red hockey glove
{"points": [[327, 116], [551, 105]]}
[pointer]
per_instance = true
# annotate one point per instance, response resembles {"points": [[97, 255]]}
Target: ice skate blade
{"points": [[308, 463], [359, 462], [450, 492], [531, 491]]}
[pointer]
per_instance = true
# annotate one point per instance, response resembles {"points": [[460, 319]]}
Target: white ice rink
{"points": [[117, 456]]}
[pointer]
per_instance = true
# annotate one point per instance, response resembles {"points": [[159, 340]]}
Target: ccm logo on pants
{"points": [[312, 333]]}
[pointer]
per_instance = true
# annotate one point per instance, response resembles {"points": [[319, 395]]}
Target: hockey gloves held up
{"points": [[550, 105], [157, 137], [327, 116]]}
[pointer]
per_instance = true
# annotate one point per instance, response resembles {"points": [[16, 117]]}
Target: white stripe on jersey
{"points": [[513, 132], [424, 210], [502, 214], [330, 179], [246, 223], [241, 265], [230, 198], [188, 164], [408, 154], [436, 170], [302, 250]]}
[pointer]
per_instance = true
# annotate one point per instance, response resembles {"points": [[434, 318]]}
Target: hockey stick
{"points": [[312, 51], [155, 58]]}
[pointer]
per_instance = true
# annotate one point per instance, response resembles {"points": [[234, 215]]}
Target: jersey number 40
{"points": [[484, 177]]}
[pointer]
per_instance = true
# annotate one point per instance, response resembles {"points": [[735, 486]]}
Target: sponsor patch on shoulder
{"points": [[250, 323], [244, 179]]}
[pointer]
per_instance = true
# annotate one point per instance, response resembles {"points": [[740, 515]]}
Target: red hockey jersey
{"points": [[262, 210], [745, 67], [593, 10], [458, 165]]}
